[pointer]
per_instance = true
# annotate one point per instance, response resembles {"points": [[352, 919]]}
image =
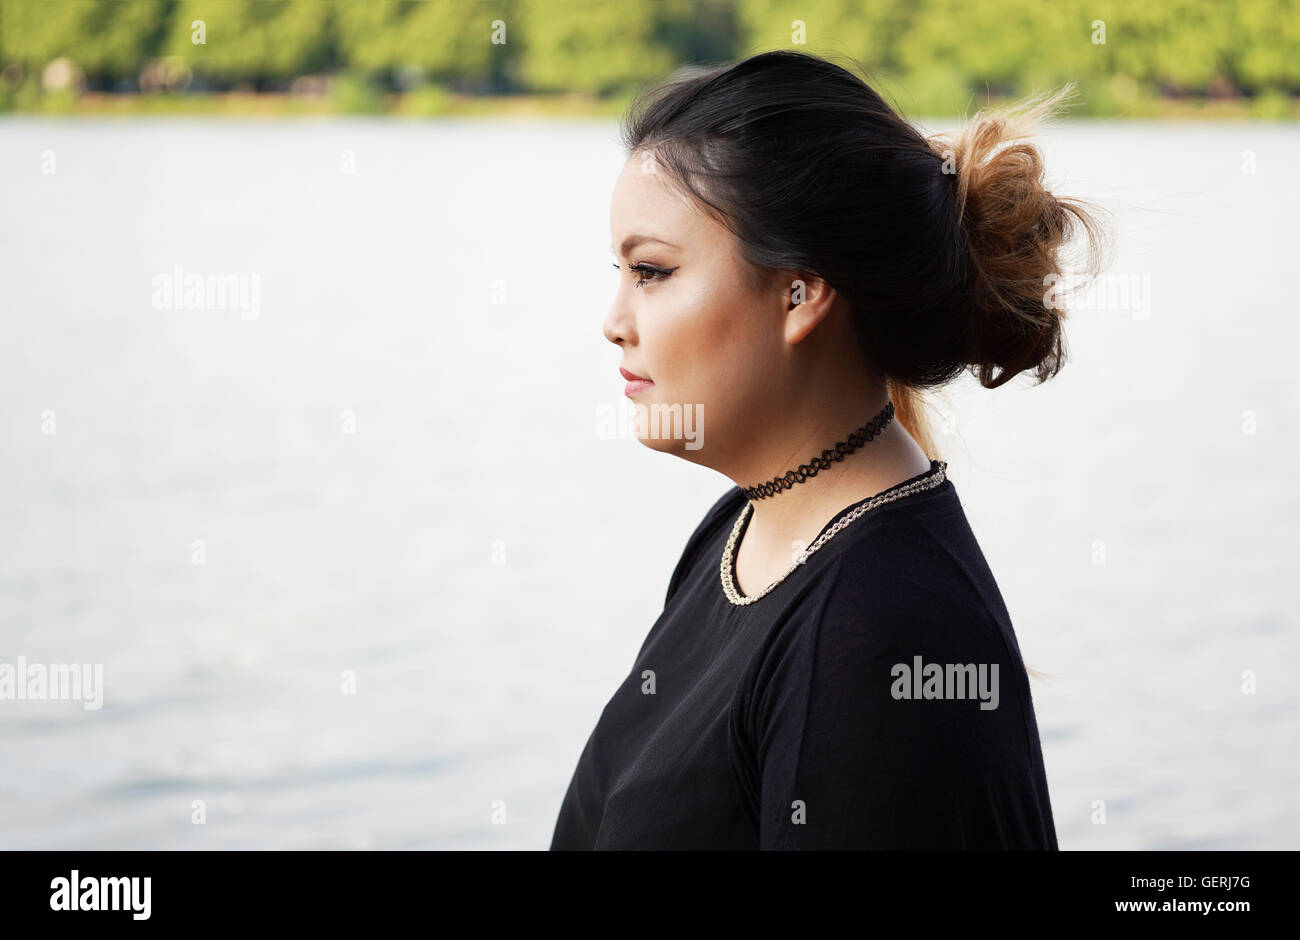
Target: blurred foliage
{"points": [[1002, 44], [447, 39], [109, 39], [591, 45], [937, 56], [869, 32], [427, 101], [250, 40], [1266, 44], [355, 94]]}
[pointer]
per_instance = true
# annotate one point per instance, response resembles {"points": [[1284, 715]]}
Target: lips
{"points": [[635, 383]]}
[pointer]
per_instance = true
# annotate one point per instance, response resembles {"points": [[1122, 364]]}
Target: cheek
{"points": [[708, 346]]}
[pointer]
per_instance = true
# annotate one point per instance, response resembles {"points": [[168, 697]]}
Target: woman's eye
{"points": [[647, 273]]}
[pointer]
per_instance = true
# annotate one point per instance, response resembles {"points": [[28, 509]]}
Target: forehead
{"points": [[644, 201]]}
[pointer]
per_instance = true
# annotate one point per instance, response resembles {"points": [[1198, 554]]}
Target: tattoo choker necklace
{"points": [[823, 461]]}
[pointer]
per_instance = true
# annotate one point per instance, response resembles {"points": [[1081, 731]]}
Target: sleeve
{"points": [[836, 761]]}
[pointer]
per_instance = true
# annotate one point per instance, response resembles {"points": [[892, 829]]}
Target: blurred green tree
{"points": [[592, 45], [867, 31], [1184, 44], [108, 40], [445, 39], [1005, 46], [940, 54], [256, 40], [1265, 50]]}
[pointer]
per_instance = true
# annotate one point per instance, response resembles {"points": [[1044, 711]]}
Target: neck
{"points": [[800, 512]]}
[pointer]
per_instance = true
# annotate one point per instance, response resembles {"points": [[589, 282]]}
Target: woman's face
{"points": [[690, 316]]}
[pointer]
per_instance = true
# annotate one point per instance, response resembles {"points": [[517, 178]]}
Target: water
{"points": [[437, 289]]}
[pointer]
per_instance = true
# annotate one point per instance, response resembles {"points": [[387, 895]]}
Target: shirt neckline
{"points": [[935, 466]]}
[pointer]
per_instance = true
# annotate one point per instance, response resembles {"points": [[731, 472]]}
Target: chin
{"points": [[671, 429], [665, 445]]}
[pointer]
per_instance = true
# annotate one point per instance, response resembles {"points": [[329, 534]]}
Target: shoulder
{"points": [[910, 583], [893, 683], [917, 562]]}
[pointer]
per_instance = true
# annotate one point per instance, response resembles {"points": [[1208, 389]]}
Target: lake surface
{"points": [[353, 552]]}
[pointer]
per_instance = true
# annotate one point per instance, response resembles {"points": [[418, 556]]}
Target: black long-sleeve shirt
{"points": [[791, 722]]}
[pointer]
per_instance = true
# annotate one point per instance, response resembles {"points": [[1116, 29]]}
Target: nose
{"points": [[619, 327]]}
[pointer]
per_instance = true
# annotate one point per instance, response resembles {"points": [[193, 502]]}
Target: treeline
{"points": [[1172, 47]]}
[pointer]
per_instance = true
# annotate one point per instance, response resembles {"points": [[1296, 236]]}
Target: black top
{"points": [[811, 718]]}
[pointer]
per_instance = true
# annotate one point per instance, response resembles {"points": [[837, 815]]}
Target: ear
{"points": [[810, 301]]}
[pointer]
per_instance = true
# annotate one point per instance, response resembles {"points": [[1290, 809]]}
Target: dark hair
{"points": [[943, 248]]}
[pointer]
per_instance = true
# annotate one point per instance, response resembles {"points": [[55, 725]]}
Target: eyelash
{"points": [[656, 274]]}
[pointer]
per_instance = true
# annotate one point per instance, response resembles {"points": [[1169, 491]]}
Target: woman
{"points": [[834, 667]]}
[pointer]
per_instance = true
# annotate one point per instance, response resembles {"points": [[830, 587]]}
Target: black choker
{"points": [[856, 439]]}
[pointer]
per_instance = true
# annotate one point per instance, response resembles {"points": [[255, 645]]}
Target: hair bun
{"points": [[1015, 230]]}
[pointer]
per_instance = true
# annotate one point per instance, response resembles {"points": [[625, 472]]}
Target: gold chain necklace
{"points": [[929, 481]]}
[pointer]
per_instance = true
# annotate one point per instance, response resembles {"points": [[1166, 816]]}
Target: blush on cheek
{"points": [[710, 338]]}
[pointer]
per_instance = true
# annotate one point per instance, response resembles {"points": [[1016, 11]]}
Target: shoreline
{"points": [[432, 102]]}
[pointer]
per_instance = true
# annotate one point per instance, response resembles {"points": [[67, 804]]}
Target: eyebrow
{"points": [[633, 241]]}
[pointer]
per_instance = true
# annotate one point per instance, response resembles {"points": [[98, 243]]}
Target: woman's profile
{"points": [[834, 666]]}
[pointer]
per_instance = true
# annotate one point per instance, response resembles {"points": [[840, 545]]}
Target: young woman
{"points": [[834, 667]]}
